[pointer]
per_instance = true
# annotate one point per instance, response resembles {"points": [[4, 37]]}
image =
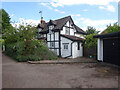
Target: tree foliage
{"points": [[112, 28], [5, 20], [90, 41], [22, 45], [91, 30], [19, 34]]}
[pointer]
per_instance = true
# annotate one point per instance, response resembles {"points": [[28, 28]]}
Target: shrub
{"points": [[1, 43], [33, 50], [21, 45], [90, 41]]}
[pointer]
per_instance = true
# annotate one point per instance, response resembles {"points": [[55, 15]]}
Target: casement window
{"points": [[52, 45], [67, 31], [78, 45], [65, 46], [55, 50], [50, 28]]}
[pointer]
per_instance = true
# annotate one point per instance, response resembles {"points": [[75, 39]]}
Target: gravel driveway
{"points": [[82, 75]]}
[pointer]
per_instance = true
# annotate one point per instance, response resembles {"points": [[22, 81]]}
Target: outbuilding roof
{"points": [[108, 35], [73, 38]]}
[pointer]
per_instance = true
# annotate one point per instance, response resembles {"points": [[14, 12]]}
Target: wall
{"points": [[87, 52], [79, 35], [68, 24], [65, 53], [53, 38], [100, 49], [75, 51]]}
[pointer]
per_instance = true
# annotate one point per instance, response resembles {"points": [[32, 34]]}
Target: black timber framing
{"points": [[46, 36], [53, 41], [54, 48], [50, 40], [69, 27], [59, 45]]}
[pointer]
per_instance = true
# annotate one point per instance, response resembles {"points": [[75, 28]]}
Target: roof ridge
{"points": [[62, 18]]}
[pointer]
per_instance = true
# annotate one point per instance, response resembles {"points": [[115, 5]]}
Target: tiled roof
{"points": [[79, 30], [59, 23], [73, 38], [108, 35]]}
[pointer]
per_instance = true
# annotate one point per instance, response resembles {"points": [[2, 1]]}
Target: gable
{"points": [[59, 24]]}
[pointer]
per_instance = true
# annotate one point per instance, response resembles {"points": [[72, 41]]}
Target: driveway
{"points": [[82, 75]]}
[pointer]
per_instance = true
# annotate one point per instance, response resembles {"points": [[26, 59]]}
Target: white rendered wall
{"points": [[77, 53], [100, 49], [65, 53], [71, 30], [79, 35], [56, 35]]}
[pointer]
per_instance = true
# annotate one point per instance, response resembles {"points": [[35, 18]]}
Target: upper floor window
{"points": [[39, 29], [50, 28], [67, 31]]}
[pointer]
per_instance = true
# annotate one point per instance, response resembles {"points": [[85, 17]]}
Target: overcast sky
{"points": [[96, 13]]}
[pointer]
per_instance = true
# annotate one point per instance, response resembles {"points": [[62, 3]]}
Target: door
{"points": [[111, 50]]}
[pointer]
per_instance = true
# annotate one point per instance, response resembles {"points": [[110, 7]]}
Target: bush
{"points": [[90, 41], [1, 44], [33, 50], [21, 45]]}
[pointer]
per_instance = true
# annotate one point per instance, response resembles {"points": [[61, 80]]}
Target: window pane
{"points": [[65, 46], [67, 31]]}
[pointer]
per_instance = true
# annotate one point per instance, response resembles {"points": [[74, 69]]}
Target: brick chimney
{"points": [[42, 21]]}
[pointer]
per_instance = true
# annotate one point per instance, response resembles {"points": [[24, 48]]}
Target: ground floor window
{"points": [[65, 46], [52, 45], [55, 50]]}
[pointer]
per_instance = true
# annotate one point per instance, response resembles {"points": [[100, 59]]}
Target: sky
{"points": [[95, 13]]}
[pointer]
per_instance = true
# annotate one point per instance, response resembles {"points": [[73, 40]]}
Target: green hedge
{"points": [[33, 50]]}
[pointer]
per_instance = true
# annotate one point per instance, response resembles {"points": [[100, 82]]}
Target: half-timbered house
{"points": [[63, 37]]}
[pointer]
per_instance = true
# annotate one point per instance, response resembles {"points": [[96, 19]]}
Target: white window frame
{"points": [[65, 46], [52, 44], [50, 29], [67, 31]]}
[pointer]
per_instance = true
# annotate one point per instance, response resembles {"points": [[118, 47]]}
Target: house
{"points": [[108, 48], [63, 37]]}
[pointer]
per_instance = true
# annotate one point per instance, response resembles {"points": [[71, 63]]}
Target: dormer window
{"points": [[50, 28]]}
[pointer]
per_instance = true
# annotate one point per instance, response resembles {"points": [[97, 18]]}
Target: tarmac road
{"points": [[83, 75]]}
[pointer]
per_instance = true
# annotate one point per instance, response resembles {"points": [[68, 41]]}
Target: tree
{"points": [[112, 28], [90, 41], [5, 20], [19, 34], [91, 30]]}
